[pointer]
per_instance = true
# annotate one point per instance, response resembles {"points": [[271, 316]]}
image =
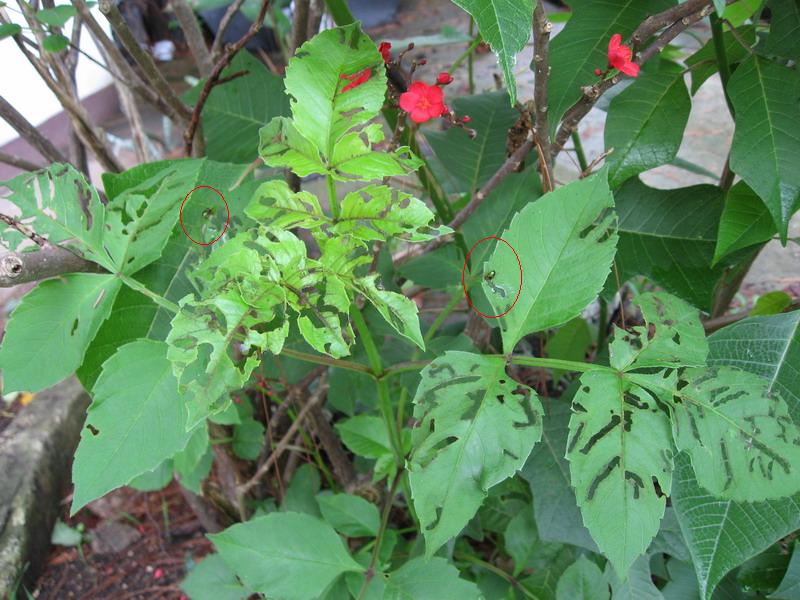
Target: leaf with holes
{"points": [[742, 442], [506, 26], [764, 96], [619, 443], [132, 425], [564, 241], [672, 336], [50, 330], [477, 428]]}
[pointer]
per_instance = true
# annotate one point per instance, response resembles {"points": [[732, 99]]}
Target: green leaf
{"points": [[471, 162], [703, 63], [132, 425], [745, 222], [619, 443], [155, 479], [56, 16], [672, 336], [558, 518], [771, 303], [350, 515], [762, 94], [328, 132], [784, 31], [477, 428], [300, 495], [738, 433], [437, 270], [570, 342], [64, 535], [722, 534], [669, 236], [719, 6], [789, 588], [55, 42], [763, 573], [397, 310], [638, 585], [432, 579], [234, 113], [565, 241], [211, 579], [582, 46], [49, 331], [248, 438], [9, 29], [193, 464], [645, 123], [59, 204], [506, 26], [583, 580], [285, 555]]}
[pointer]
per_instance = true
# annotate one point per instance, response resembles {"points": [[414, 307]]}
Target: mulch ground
{"points": [[170, 540]]}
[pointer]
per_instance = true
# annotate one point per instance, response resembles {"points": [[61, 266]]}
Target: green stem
{"points": [[722, 58], [576, 141], [403, 367], [328, 361], [387, 509], [332, 199], [158, 299], [602, 325], [555, 363], [454, 300], [340, 12], [465, 55]]}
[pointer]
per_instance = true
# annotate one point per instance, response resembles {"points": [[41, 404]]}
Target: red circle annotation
{"points": [[464, 286], [227, 221]]}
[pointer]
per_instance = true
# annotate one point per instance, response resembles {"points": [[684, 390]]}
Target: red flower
{"points": [[384, 49], [444, 78], [619, 56], [423, 102], [356, 79]]}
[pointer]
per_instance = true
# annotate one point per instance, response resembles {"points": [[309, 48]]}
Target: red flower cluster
{"points": [[423, 102], [356, 79], [619, 56]]}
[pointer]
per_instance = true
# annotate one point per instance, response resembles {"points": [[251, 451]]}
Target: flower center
{"points": [[423, 103]]}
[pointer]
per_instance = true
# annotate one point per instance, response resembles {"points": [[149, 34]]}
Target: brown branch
{"points": [[50, 261], [511, 163], [213, 78], [19, 162], [194, 37], [675, 19], [29, 133], [541, 69], [144, 60], [299, 24]]}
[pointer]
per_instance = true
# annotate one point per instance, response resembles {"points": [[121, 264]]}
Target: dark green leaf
{"points": [[212, 579], [350, 515], [703, 63], [784, 32], [9, 29], [583, 580], [789, 588], [55, 42], [745, 222]]}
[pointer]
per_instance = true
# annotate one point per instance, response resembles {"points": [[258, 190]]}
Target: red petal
{"points": [[614, 43], [419, 115], [630, 68], [409, 100]]}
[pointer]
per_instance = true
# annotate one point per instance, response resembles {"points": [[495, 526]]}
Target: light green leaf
{"points": [[248, 438], [299, 496], [211, 579], [565, 241], [477, 428], [558, 518], [59, 204], [56, 16], [638, 585], [763, 94], [672, 336], [350, 515], [771, 303], [784, 31], [619, 443], [471, 162], [397, 310], [745, 222], [234, 113], [645, 123], [506, 26], [521, 538], [193, 464], [432, 579], [722, 534], [789, 589], [583, 580], [582, 46], [365, 435], [64, 535], [50, 330], [285, 555], [739, 435], [669, 236], [133, 424], [155, 479]]}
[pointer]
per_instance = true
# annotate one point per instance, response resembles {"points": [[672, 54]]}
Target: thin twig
{"points": [[19, 162], [29, 133], [216, 46], [216, 72], [541, 68], [194, 37]]}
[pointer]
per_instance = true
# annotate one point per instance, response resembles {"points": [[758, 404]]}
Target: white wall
{"points": [[22, 87]]}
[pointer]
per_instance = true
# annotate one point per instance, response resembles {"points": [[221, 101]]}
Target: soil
{"points": [[171, 540]]}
